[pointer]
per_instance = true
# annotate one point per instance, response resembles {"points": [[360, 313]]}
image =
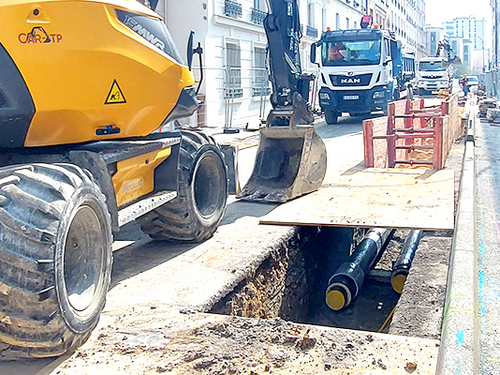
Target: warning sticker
{"points": [[115, 94]]}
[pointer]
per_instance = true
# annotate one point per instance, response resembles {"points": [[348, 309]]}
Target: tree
{"points": [[461, 70]]}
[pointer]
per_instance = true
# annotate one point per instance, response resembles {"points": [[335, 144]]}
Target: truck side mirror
{"points": [[190, 51], [313, 53]]}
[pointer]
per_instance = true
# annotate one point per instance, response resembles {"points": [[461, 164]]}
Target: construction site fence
{"points": [[413, 135]]}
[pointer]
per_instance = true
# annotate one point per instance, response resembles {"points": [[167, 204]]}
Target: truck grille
{"points": [[354, 80], [432, 77]]}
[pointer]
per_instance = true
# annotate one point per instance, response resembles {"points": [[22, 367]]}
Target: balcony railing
{"points": [[311, 32], [232, 9], [258, 16], [232, 93], [261, 91]]}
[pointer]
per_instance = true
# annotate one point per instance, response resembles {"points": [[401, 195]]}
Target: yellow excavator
{"points": [[85, 85]]}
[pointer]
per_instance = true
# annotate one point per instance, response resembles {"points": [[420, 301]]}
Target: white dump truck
{"points": [[434, 74]]}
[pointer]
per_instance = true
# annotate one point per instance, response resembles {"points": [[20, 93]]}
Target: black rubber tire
{"points": [[396, 95], [201, 202], [385, 109], [410, 95], [51, 295], [331, 117]]}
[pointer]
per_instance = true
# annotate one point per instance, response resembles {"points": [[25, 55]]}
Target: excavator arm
{"points": [[290, 87], [443, 45], [291, 158]]}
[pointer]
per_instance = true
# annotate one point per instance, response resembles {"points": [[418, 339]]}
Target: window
{"points": [[466, 54], [259, 4], [323, 19], [351, 52], [259, 11], [337, 21], [310, 14], [151, 29], [347, 23], [233, 70], [260, 81]]}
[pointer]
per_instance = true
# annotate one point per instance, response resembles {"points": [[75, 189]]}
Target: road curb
{"points": [[459, 337]]}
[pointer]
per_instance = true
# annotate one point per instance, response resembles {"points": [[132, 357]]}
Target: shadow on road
{"points": [[346, 125], [32, 367], [237, 209], [140, 253]]}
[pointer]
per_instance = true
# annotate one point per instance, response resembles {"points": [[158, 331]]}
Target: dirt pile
{"points": [[213, 344]]}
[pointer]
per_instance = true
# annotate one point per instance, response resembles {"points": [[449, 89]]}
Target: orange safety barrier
{"points": [[392, 140]]}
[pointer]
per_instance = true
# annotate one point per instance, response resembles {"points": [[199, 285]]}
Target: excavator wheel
{"points": [[197, 211], [55, 259]]}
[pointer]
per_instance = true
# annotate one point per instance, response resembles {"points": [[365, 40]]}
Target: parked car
{"points": [[472, 81]]}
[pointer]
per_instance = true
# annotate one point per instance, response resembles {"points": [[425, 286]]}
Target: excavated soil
{"points": [[211, 344]]}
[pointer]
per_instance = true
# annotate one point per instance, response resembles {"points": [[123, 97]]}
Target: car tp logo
{"points": [[39, 35]]}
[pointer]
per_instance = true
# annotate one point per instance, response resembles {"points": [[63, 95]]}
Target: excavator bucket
{"points": [[290, 162]]}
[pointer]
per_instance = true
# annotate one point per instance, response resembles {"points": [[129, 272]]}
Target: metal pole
{"points": [[482, 45]]}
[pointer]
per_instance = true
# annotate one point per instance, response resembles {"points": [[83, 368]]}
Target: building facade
{"points": [[467, 28], [406, 18], [474, 53], [463, 48], [235, 88], [492, 76], [433, 36], [421, 29]]}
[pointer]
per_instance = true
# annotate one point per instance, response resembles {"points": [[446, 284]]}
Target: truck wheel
{"points": [[55, 259], [199, 207], [410, 94], [396, 95], [331, 117]]}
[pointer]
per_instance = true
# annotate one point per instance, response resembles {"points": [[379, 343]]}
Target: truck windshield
{"points": [[350, 53], [430, 66]]}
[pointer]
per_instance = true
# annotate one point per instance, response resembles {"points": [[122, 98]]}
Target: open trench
{"points": [[291, 284]]}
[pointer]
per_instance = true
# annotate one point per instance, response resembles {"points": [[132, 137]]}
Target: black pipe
{"points": [[345, 284], [402, 266]]}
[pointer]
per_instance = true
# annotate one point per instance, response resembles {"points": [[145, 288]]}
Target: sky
{"points": [[438, 11]]}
